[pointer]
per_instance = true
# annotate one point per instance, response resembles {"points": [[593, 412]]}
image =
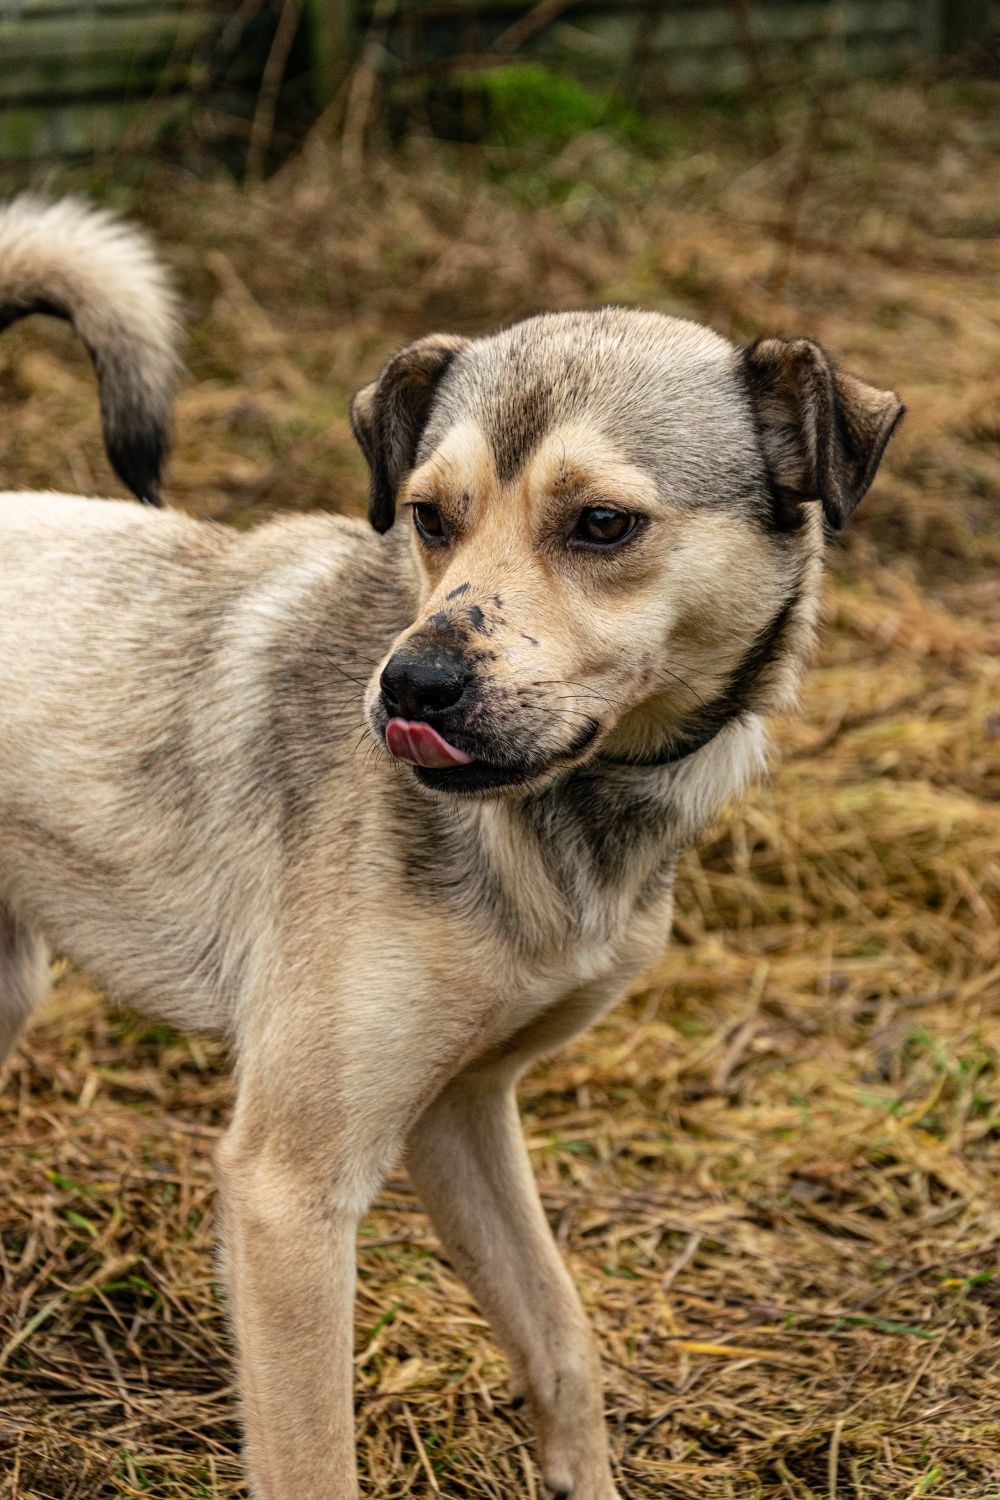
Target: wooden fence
{"points": [[85, 76], [671, 46], [82, 76]]}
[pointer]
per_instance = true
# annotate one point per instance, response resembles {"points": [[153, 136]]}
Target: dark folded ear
{"points": [[823, 431], [389, 416]]}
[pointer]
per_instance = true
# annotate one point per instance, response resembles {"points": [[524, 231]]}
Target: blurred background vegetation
{"points": [[245, 77]]}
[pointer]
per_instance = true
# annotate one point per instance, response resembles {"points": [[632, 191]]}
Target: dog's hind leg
{"points": [[469, 1163], [23, 977]]}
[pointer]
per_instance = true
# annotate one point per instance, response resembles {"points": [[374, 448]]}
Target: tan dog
{"points": [[607, 572]]}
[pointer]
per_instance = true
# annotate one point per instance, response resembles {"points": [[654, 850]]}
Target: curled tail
{"points": [[83, 264]]}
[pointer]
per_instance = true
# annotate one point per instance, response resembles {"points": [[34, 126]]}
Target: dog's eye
{"points": [[601, 526], [427, 520]]}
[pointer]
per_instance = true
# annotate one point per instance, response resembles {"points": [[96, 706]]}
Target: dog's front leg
{"points": [[289, 1235], [329, 1080], [468, 1161]]}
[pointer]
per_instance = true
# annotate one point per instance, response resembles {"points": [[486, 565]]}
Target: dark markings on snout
{"points": [[463, 588], [478, 620]]}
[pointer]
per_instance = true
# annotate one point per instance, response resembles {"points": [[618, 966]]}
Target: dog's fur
{"points": [[196, 803]]}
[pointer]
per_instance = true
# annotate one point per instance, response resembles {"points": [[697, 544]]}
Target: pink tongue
{"points": [[421, 745]]}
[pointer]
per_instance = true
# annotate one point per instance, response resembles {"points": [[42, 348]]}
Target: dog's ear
{"points": [[389, 416], [822, 430]]}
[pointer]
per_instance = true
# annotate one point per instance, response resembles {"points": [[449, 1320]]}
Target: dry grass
{"points": [[775, 1169]]}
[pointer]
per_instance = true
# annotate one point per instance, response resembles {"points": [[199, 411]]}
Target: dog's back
{"points": [[102, 634]]}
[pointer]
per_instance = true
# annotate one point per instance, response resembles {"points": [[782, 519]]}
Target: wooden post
{"points": [[330, 34], [931, 25], [964, 23]]}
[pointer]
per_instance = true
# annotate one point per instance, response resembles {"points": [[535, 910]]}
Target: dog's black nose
{"points": [[418, 687]]}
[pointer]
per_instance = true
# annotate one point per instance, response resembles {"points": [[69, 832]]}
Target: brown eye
{"points": [[600, 526], [427, 520]]}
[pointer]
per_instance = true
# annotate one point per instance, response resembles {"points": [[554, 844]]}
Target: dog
{"points": [[396, 806]]}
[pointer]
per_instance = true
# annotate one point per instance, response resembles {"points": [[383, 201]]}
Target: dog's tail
{"points": [[81, 263]]}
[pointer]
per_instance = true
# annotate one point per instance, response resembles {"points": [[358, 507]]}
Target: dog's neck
{"points": [[581, 859], [665, 797], [672, 752]]}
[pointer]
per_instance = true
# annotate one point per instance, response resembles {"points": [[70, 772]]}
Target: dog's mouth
{"points": [[440, 764], [420, 745]]}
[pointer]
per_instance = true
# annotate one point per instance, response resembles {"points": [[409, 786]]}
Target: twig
{"points": [[537, 19], [262, 129], [759, 85], [833, 1460], [421, 1450], [787, 229], [361, 91], [684, 1259]]}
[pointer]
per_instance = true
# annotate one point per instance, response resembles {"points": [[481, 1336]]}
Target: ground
{"points": [[774, 1170]]}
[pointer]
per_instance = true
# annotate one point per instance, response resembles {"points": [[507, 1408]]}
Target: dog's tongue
{"points": [[421, 745]]}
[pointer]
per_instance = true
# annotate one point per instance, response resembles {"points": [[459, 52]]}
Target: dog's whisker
{"points": [[366, 736], [332, 661]]}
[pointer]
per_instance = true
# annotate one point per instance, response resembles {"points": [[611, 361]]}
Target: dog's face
{"points": [[611, 514]]}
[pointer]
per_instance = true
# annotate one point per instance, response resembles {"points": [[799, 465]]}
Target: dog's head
{"points": [[617, 519]]}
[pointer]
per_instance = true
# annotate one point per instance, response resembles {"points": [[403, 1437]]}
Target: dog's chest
{"points": [[581, 960], [539, 908], [576, 880]]}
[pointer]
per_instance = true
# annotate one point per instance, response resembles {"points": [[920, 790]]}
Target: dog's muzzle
{"points": [[422, 693]]}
